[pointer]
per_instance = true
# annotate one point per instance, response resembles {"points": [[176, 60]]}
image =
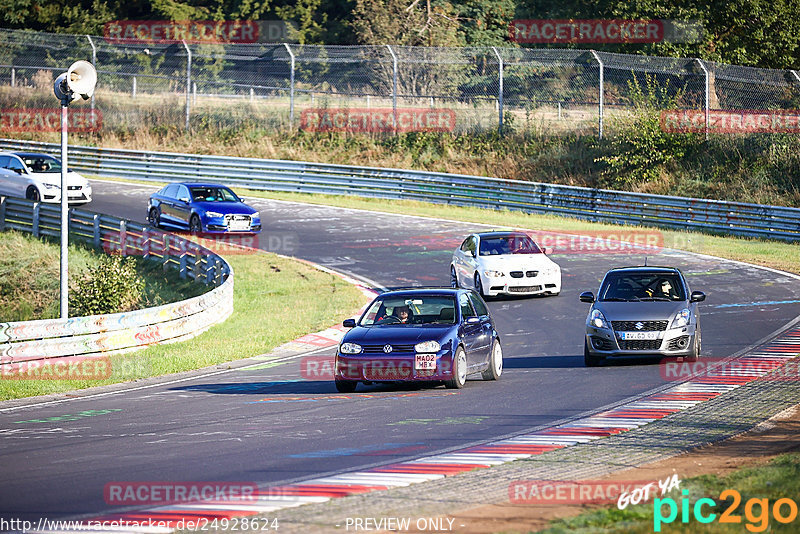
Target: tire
{"points": [[33, 194], [495, 368], [154, 218], [589, 359], [479, 285], [453, 278], [695, 355], [346, 386], [459, 370], [195, 226]]}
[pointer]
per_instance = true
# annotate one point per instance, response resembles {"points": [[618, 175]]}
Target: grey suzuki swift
{"points": [[642, 311]]}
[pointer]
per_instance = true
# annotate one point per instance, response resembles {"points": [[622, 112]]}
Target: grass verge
{"points": [[778, 479], [29, 277], [275, 300]]}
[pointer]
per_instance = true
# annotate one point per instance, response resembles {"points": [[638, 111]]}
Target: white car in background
{"points": [[504, 262], [37, 177]]}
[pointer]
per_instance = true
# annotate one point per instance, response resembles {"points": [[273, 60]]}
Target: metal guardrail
{"points": [[600, 205], [101, 335]]}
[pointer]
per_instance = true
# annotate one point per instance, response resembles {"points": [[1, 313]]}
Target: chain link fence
{"points": [[284, 86]]}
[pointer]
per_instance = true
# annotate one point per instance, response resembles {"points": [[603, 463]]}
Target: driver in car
{"points": [[403, 313]]}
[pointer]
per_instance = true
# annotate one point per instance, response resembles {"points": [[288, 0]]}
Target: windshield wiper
{"points": [[614, 299]]}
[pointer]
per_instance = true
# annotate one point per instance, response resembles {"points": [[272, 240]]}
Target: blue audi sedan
{"points": [[201, 207], [442, 335]]}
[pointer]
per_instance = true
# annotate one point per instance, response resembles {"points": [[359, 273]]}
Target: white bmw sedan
{"points": [[506, 262], [37, 177]]}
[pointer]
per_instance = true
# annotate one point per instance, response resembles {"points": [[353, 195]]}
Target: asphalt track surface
{"points": [[271, 425]]}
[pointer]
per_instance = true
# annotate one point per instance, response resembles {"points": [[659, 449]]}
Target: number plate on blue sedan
{"points": [[424, 361], [239, 226], [638, 335]]}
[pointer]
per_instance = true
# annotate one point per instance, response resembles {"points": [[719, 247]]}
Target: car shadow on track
{"points": [[566, 362], [300, 387]]}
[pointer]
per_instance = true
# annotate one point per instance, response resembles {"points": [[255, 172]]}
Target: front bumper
{"points": [[537, 285], [75, 196], [395, 368], [672, 342]]}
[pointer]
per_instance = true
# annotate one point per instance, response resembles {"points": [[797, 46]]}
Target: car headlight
{"points": [[349, 348], [681, 318], [52, 186], [427, 346], [213, 214], [597, 319], [255, 215], [493, 274]]}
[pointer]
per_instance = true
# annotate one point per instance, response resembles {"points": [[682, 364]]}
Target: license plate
{"points": [[424, 361], [238, 226], [638, 335]]}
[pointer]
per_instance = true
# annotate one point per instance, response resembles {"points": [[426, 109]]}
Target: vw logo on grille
{"points": [[639, 325], [387, 349]]}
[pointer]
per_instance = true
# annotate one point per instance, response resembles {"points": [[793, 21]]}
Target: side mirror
{"points": [[349, 323], [587, 296], [697, 296], [184, 200], [548, 250], [473, 320]]}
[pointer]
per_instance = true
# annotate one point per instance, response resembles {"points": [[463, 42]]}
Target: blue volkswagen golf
{"points": [[440, 335], [201, 207]]}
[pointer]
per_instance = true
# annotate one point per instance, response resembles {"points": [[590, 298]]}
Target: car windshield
{"points": [[631, 287], [508, 244], [415, 310], [42, 163], [213, 194]]}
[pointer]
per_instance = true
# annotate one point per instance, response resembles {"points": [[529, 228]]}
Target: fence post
{"points": [[182, 269], [96, 230], [35, 221], [94, 64], [13, 77], [291, 85], [394, 87], [499, 92], [600, 107], [188, 80], [123, 238], [2, 214], [133, 90], [708, 88], [146, 242]]}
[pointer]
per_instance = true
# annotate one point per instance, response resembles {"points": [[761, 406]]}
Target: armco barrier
{"points": [[732, 218], [105, 334]]}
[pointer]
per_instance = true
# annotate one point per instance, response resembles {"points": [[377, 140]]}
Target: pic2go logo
{"points": [[783, 510]]}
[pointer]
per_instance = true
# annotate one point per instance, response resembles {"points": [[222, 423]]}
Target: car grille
{"points": [[379, 372], [630, 326], [74, 187], [516, 274], [639, 344], [229, 218], [378, 349], [426, 372], [523, 289], [531, 274]]}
